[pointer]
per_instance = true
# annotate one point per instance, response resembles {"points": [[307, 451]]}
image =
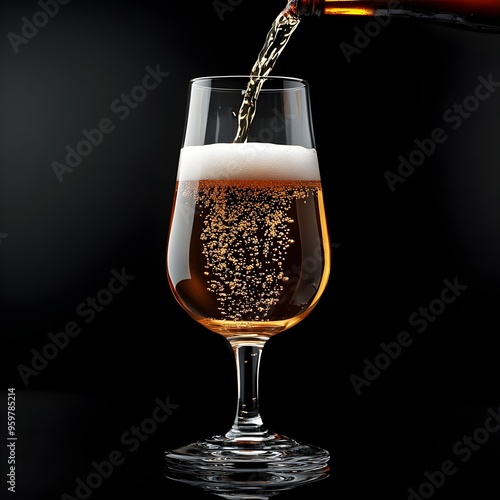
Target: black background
{"points": [[392, 250]]}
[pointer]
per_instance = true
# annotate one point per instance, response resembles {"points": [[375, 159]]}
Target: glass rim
{"points": [[301, 83]]}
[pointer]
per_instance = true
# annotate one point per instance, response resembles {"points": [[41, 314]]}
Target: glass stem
{"points": [[248, 425]]}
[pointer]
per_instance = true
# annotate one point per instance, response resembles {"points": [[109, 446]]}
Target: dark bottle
{"points": [[480, 15]]}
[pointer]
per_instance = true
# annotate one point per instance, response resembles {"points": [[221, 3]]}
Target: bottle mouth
{"points": [[305, 7]]}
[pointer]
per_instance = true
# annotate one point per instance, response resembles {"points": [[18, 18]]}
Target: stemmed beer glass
{"points": [[248, 257]]}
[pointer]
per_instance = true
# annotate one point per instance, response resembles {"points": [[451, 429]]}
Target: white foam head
{"points": [[248, 161]]}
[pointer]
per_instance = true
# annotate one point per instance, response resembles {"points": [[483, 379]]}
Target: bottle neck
{"points": [[479, 15]]}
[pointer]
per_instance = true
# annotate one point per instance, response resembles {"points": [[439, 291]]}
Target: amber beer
{"points": [[472, 14], [249, 247]]}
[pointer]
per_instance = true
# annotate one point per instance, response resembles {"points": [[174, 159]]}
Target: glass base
{"points": [[247, 469]]}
